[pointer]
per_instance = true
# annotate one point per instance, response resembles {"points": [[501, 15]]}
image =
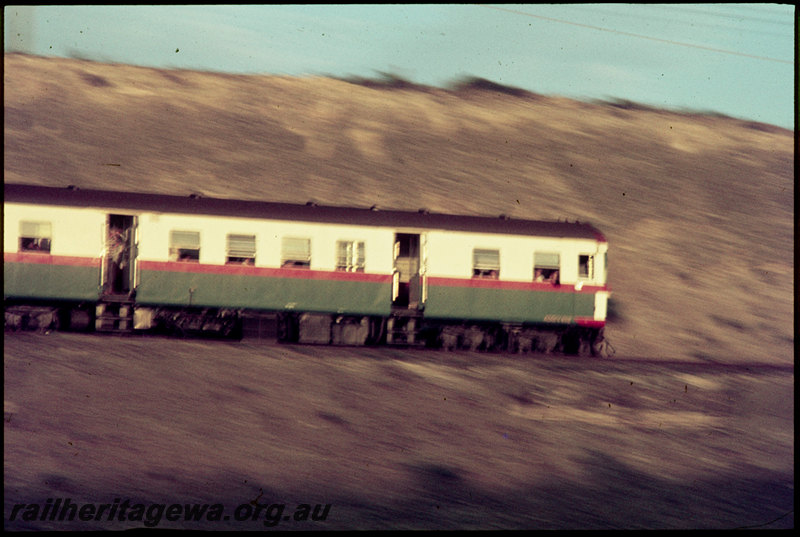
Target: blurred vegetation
{"points": [[472, 83], [386, 80]]}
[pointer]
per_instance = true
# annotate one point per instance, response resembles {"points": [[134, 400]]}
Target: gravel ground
{"points": [[388, 438]]}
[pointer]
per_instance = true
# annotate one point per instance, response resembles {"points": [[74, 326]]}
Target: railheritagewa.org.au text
{"points": [[152, 514]]}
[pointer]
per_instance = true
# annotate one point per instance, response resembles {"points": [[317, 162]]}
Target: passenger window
{"points": [[546, 267], [35, 237], [241, 250], [184, 246], [486, 264], [350, 256], [295, 253], [586, 266]]}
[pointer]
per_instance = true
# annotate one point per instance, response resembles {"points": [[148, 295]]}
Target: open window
{"points": [[350, 256], [241, 250], [486, 264], [547, 267], [295, 253], [184, 246], [35, 237], [586, 266]]}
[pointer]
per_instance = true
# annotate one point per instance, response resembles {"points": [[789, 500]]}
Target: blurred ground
{"points": [[690, 426], [395, 439], [697, 208]]}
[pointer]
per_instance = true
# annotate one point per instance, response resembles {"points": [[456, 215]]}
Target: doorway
{"points": [[119, 262], [407, 281]]}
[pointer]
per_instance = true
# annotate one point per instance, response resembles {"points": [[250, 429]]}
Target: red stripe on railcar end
{"points": [[588, 322]]}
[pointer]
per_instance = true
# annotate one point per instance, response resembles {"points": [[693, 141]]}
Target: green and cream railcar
{"points": [[325, 274]]}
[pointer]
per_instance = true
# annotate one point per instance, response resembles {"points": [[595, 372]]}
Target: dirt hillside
{"points": [[698, 208], [689, 426]]}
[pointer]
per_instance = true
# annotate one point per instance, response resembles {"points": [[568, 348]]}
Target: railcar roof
{"points": [[137, 201]]}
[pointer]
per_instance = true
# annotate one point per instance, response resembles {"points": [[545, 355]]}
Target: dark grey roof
{"points": [[134, 201]]}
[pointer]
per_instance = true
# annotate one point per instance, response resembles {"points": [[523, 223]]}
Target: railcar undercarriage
{"points": [[401, 329]]}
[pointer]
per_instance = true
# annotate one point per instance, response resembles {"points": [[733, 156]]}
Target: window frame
{"points": [[43, 242], [485, 271], [354, 257], [292, 261], [589, 273], [232, 255], [550, 272], [183, 252]]}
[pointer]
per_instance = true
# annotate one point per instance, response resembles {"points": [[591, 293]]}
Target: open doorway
{"points": [[120, 258], [407, 284]]}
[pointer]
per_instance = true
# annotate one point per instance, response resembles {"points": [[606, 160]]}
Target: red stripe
{"points": [[263, 272], [589, 322], [47, 259], [305, 274], [481, 283]]}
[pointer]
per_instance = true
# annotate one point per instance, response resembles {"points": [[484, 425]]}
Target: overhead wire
{"points": [[729, 15], [719, 21], [640, 36]]}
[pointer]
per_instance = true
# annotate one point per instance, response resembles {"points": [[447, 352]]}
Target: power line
{"points": [[640, 36], [726, 15], [675, 10]]}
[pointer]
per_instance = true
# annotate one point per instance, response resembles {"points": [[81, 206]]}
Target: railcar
{"points": [[124, 261]]}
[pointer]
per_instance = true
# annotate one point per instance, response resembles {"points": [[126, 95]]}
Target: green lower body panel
{"points": [[50, 281], [314, 294], [76, 279], [507, 305]]}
